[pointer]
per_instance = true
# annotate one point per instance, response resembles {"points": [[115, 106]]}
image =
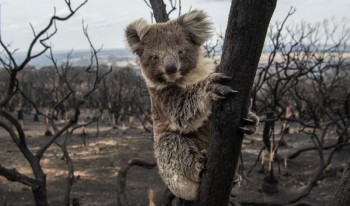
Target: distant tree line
{"points": [[122, 93]]}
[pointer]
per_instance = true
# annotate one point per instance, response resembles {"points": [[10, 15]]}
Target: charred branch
{"points": [[121, 178], [14, 176]]}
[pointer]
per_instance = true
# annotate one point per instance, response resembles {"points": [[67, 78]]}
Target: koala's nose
{"points": [[170, 64], [170, 69]]}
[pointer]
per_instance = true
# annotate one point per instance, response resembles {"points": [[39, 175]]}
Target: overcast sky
{"points": [[108, 18]]}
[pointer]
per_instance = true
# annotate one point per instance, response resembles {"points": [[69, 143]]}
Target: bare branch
{"points": [[121, 178], [148, 4], [19, 140], [173, 7], [70, 168], [14, 176], [52, 22]]}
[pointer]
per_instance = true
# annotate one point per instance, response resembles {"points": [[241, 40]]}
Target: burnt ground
{"points": [[97, 160]]}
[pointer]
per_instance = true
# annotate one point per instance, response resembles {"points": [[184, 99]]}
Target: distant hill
{"points": [[115, 57], [82, 57]]}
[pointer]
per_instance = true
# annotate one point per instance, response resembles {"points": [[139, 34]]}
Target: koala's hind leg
{"points": [[180, 164]]}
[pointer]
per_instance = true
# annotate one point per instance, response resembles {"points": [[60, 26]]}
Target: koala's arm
{"points": [[189, 107]]}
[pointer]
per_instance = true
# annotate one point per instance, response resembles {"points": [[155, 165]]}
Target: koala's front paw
{"points": [[250, 123], [216, 89]]}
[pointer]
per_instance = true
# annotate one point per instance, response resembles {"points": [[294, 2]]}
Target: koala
{"points": [[182, 84]]}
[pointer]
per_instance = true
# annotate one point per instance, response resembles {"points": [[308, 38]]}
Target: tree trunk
{"points": [[341, 196], [40, 192], [40, 195], [244, 39], [159, 11]]}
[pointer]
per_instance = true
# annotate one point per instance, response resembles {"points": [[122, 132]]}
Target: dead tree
{"points": [[14, 128], [313, 75], [244, 39], [159, 11]]}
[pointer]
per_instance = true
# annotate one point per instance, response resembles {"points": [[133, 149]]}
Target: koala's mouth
{"points": [[172, 78]]}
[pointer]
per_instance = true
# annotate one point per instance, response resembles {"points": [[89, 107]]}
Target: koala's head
{"points": [[168, 51]]}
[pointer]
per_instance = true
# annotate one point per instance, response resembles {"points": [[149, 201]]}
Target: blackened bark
{"points": [[341, 196], [159, 11], [244, 39], [40, 192], [40, 195]]}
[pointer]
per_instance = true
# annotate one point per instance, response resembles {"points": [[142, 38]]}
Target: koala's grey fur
{"points": [[182, 85]]}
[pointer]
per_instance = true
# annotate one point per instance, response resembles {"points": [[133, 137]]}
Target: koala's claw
{"points": [[248, 129], [236, 180], [219, 77], [232, 91], [249, 121], [216, 90], [216, 97], [250, 124]]}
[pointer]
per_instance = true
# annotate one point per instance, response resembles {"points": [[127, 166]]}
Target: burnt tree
{"points": [[244, 39], [37, 181], [159, 9]]}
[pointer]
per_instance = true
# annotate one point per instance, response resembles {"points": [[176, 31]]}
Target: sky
{"points": [[106, 19]]}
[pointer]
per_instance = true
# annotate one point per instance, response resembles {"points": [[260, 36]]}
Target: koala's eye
{"points": [[181, 52], [154, 58]]}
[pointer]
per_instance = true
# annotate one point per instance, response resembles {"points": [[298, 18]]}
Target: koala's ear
{"points": [[197, 25], [134, 33]]}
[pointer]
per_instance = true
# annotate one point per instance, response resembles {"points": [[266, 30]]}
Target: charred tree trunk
{"points": [[341, 196], [244, 39], [159, 11], [40, 195], [40, 192]]}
